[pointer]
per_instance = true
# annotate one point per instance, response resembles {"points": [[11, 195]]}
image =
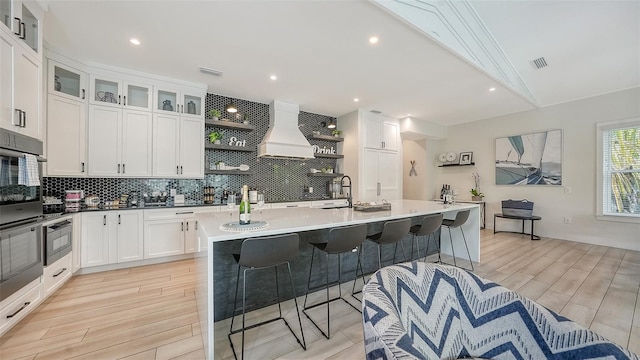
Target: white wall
{"points": [[578, 121], [423, 151]]}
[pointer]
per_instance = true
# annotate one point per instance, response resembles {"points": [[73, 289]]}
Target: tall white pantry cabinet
{"points": [[372, 155]]}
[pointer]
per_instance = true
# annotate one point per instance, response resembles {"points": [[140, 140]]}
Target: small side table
{"points": [[523, 218]]}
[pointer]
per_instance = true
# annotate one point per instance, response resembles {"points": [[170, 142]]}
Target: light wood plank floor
{"points": [[150, 312]]}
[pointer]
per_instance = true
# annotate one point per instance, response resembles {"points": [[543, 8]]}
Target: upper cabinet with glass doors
{"points": [[116, 92], [66, 81], [179, 100], [22, 18]]}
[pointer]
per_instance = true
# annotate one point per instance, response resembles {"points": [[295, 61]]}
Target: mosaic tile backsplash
{"points": [[279, 179]]}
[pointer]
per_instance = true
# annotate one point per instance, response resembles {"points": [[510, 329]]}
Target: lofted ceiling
{"points": [[320, 52]]}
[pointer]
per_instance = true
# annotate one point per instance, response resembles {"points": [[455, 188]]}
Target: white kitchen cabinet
{"points": [[120, 91], [95, 239], [372, 155], [379, 133], [76, 239], [173, 99], [169, 232], [66, 137], [285, 205], [110, 237], [119, 142], [66, 81], [20, 84], [178, 146], [22, 20], [56, 274], [17, 306], [129, 233]]}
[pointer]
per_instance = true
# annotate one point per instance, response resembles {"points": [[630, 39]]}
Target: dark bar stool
{"points": [[392, 232], [429, 225], [260, 253], [461, 218], [341, 240]]}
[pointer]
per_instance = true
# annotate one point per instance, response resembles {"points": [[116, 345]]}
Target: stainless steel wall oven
{"points": [[20, 215]]}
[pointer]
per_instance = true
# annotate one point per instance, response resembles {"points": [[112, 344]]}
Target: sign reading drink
{"points": [[323, 150]]}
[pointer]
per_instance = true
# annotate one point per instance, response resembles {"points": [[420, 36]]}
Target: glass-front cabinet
{"points": [[23, 20], [184, 101], [120, 93], [66, 81]]}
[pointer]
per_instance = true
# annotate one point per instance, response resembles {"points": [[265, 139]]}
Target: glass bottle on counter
{"points": [[245, 207]]}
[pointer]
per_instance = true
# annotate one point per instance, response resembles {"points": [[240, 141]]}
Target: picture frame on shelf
{"points": [[465, 158]]}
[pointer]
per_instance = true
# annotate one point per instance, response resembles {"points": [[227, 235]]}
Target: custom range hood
{"points": [[284, 139]]}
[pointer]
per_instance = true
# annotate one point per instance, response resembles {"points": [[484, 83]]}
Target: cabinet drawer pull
{"points": [[123, 168], [177, 169], [182, 226], [82, 163], [19, 27], [119, 99], [184, 212], [180, 169], [26, 303], [104, 220], [61, 271], [125, 100], [196, 225], [83, 94], [24, 119], [187, 226], [292, 206], [119, 219], [23, 29]]}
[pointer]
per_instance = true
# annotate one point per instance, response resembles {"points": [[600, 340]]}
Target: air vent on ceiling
{"points": [[375, 111], [539, 63], [210, 71]]}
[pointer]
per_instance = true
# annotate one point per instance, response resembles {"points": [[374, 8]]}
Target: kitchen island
{"points": [[302, 220]]}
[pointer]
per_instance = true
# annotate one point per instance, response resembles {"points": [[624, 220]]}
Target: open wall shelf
{"points": [[447, 165], [228, 172], [321, 174], [229, 147], [329, 156], [230, 125], [326, 138]]}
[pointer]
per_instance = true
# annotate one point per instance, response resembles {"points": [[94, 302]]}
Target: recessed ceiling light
{"points": [[273, 77], [408, 114], [356, 99], [492, 89], [373, 40], [134, 41]]}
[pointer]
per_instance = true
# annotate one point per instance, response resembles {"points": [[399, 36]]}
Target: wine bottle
{"points": [[245, 207]]}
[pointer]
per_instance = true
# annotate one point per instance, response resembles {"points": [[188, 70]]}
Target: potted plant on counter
{"points": [[215, 136], [476, 195]]}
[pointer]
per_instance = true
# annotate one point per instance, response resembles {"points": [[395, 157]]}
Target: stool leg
{"points": [[452, 250], [466, 246], [233, 316], [380, 258], [328, 304], [353, 289], [426, 253], [275, 269], [404, 255], [438, 243], [293, 291], [417, 248], [313, 251], [244, 305], [395, 250]]}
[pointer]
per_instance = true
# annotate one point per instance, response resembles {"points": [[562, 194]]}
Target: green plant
{"points": [[336, 132], [215, 135], [475, 192], [214, 113]]}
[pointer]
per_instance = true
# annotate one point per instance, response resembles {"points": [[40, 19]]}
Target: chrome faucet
{"points": [[342, 186]]}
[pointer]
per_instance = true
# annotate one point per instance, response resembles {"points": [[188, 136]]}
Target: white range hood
{"points": [[284, 139]]}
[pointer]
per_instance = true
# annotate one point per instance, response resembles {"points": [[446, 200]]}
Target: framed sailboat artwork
{"points": [[530, 159]]}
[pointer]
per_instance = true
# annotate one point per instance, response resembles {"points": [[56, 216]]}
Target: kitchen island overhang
{"points": [[301, 220]]}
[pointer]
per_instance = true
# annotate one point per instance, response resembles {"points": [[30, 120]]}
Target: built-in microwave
{"points": [[18, 202]]}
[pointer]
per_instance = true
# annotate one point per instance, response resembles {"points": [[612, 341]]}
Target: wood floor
{"points": [[150, 312]]}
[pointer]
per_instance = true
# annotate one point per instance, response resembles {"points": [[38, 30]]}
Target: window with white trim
{"points": [[619, 162]]}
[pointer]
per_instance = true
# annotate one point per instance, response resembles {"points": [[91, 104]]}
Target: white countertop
{"points": [[305, 219]]}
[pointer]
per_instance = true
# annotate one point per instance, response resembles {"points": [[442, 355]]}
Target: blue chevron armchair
{"points": [[428, 311]]}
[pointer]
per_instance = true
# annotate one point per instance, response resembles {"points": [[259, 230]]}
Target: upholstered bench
{"points": [[428, 311]]}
